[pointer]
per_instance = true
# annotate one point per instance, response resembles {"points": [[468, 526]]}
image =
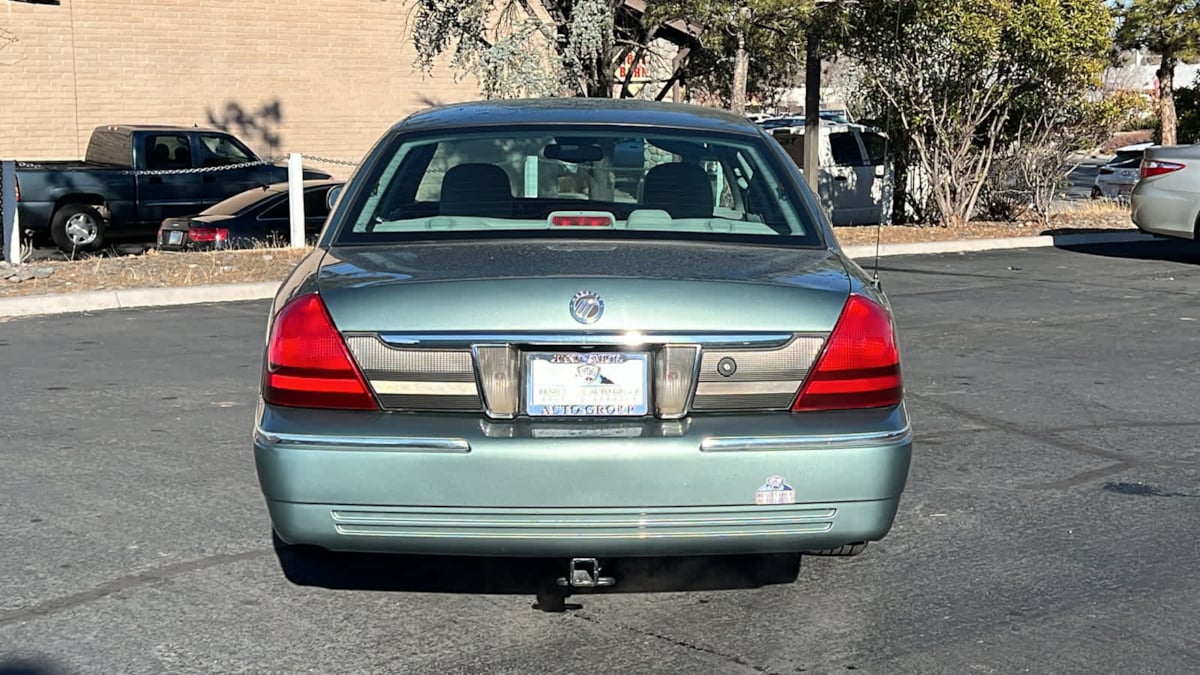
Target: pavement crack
{"points": [[1040, 436], [1082, 477], [732, 658], [54, 605]]}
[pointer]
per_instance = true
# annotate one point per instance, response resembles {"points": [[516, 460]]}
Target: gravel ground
{"points": [[51, 273]]}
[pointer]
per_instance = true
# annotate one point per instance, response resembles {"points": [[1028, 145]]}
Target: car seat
{"points": [[481, 190], [682, 190], [183, 156], [158, 155]]}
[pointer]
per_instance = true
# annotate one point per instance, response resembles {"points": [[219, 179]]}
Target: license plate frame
{"points": [[562, 384], [175, 238]]}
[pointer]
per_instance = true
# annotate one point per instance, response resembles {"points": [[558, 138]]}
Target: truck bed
{"points": [[66, 165]]}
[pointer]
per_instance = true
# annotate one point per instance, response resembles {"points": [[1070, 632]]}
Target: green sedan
{"points": [[581, 330]]}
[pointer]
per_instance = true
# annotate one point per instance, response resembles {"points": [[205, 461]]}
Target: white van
{"points": [[854, 183]]}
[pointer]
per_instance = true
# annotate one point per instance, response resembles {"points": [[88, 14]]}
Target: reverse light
{"points": [[860, 364], [208, 235], [308, 365], [1154, 167]]}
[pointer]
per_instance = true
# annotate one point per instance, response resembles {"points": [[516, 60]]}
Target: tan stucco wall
{"points": [[338, 72]]}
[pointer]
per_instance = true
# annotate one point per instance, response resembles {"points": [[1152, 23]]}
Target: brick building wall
{"points": [[321, 77]]}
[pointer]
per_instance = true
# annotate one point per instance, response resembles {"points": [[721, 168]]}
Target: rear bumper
{"points": [[35, 215], [583, 531], [1164, 212], [456, 485]]}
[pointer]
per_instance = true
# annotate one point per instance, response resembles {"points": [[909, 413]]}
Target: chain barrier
{"points": [[326, 160], [206, 169], [194, 170]]}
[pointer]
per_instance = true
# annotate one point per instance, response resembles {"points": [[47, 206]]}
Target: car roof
{"points": [[130, 128], [1136, 147], [311, 183], [577, 111], [831, 126]]}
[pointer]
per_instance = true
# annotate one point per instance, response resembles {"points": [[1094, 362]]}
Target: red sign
{"points": [[640, 72]]}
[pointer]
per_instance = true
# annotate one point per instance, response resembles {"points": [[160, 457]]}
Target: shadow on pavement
{"points": [[29, 666], [1170, 250], [519, 576]]}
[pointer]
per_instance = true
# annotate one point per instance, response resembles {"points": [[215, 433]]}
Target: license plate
{"points": [[175, 238], [587, 384]]}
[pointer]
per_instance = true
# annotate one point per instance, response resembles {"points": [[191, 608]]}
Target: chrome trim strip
{"points": [[393, 443], [747, 388], [414, 388], [818, 442], [626, 338]]}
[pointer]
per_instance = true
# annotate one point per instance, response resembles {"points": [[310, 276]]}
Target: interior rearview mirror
{"points": [[574, 154], [334, 193]]}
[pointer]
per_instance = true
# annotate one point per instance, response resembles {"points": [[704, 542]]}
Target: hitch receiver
{"points": [[585, 573]]}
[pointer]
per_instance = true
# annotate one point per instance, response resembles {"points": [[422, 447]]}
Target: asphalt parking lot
{"points": [[1049, 525]]}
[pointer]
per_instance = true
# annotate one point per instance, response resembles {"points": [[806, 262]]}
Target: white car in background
{"points": [[854, 180], [1116, 178]]}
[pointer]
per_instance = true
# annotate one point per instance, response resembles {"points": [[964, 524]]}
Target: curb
{"points": [[67, 303]]}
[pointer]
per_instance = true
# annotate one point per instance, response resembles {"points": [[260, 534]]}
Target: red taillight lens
{"points": [[860, 365], [308, 365], [1152, 167], [208, 235]]}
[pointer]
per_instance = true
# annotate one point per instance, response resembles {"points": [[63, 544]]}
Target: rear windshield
{"points": [[240, 202], [578, 182]]}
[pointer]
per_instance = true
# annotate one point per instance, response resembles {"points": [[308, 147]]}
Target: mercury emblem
{"points": [[587, 307]]}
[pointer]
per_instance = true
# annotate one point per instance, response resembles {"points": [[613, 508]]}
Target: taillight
{"points": [[308, 365], [582, 221], [208, 235], [1105, 171], [585, 219], [860, 364], [1154, 167]]}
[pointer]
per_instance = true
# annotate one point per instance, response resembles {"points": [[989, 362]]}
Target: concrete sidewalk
{"points": [[68, 303]]}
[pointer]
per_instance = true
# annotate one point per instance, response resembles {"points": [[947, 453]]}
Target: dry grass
{"points": [[153, 269], [1087, 217]]}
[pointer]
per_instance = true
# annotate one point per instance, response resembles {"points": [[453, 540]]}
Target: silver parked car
{"points": [[1166, 200], [1115, 180]]}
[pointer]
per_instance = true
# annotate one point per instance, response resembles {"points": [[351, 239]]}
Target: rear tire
{"points": [[845, 551], [301, 565], [1096, 193], [77, 228]]}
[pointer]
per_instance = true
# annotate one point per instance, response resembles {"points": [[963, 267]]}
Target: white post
{"points": [[296, 199], [8, 197]]}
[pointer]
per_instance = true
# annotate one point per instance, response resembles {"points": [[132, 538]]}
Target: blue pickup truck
{"points": [[132, 178]]}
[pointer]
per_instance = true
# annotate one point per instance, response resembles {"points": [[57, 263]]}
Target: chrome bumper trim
{"points": [[625, 338], [383, 443], [819, 442]]}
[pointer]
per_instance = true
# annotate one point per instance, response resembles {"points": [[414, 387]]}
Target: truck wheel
{"points": [[77, 227]]}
